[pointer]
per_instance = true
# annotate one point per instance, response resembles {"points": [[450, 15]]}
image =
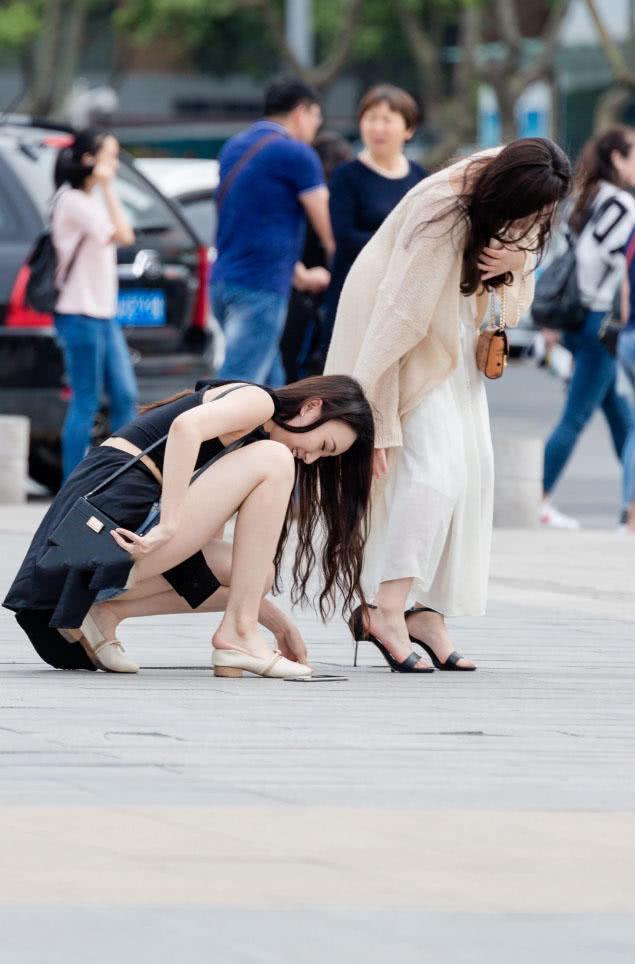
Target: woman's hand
{"points": [[284, 630], [139, 546], [498, 259], [291, 644], [104, 172], [380, 463]]}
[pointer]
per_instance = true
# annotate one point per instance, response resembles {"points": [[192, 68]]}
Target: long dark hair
{"points": [[525, 181], [595, 164], [69, 167], [333, 493]]}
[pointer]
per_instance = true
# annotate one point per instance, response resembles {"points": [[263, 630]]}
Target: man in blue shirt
{"points": [[271, 180]]}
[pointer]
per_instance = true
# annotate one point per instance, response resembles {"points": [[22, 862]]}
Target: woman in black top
{"points": [[365, 191], [325, 424]]}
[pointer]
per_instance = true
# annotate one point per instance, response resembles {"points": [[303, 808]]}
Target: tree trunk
{"points": [[68, 53], [38, 97], [322, 75]]}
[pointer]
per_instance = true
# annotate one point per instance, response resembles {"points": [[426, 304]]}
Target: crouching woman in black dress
{"points": [[318, 432]]}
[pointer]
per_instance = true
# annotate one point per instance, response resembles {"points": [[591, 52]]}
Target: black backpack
{"points": [[43, 286], [557, 302]]}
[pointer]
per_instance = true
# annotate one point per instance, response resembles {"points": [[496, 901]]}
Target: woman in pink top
{"points": [[88, 223]]}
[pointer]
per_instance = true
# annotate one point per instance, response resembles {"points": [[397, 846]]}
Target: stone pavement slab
{"points": [[382, 818]]}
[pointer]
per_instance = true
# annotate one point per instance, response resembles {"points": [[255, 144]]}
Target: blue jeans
{"points": [[97, 361], [592, 386], [626, 355], [253, 323]]}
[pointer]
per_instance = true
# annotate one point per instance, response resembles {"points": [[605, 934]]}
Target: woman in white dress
{"points": [[406, 327]]}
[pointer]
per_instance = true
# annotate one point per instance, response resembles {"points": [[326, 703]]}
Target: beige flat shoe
{"points": [[233, 662], [106, 654]]}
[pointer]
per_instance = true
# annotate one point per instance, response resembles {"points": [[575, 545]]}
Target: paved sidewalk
{"points": [[450, 818]]}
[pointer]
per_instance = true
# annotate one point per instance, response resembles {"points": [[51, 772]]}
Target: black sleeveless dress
{"points": [[45, 600]]}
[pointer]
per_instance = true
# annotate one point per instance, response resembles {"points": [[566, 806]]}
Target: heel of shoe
{"points": [[231, 672], [91, 632], [71, 635]]}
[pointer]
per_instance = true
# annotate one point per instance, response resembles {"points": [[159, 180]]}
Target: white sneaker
{"points": [[549, 516]]}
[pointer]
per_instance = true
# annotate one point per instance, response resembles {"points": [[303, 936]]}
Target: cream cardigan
{"points": [[397, 324]]}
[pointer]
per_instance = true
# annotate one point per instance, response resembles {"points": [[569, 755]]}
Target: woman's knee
{"points": [[277, 461]]}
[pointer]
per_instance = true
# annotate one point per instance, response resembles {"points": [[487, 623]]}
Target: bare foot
{"points": [[431, 629], [391, 630]]}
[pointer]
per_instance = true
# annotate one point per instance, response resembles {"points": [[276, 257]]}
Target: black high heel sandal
{"points": [[408, 665], [452, 662]]}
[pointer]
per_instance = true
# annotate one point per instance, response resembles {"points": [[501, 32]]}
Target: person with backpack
{"points": [[271, 180], [88, 222], [600, 222]]}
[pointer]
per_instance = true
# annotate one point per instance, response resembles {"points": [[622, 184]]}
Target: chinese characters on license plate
{"points": [[141, 307]]}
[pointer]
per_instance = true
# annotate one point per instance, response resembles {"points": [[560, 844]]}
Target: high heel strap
{"points": [[421, 609], [356, 624]]}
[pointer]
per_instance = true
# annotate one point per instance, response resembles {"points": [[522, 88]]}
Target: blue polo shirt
{"points": [[261, 223]]}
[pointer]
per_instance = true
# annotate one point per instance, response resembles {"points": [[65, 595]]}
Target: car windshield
{"points": [[34, 162]]}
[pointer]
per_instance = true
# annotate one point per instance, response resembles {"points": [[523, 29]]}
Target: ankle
{"points": [[237, 627], [387, 614], [106, 611]]}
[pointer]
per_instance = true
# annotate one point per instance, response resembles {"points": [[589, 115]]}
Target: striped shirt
{"points": [[601, 246]]}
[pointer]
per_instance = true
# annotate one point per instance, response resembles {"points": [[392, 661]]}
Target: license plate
{"points": [[141, 307]]}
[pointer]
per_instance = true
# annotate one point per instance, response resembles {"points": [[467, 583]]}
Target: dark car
{"points": [[163, 297]]}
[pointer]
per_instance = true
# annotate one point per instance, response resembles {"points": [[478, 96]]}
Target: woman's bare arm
{"points": [[237, 414], [240, 412]]}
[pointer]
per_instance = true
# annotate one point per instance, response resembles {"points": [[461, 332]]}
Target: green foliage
{"points": [[144, 20], [19, 22]]}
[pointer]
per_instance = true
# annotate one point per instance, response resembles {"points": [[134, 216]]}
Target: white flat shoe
{"points": [[106, 654], [233, 662]]}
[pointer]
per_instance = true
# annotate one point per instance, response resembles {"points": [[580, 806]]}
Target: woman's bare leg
{"points": [[258, 527], [161, 599], [257, 481], [169, 603], [387, 621]]}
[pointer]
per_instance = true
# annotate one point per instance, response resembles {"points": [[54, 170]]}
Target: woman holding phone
{"points": [[317, 433]]}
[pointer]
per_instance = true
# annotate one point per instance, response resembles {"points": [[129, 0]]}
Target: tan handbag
{"points": [[492, 345]]}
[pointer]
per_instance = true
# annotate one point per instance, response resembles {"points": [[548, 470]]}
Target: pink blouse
{"points": [[91, 285]]}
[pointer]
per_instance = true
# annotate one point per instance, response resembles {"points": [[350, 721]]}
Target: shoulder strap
{"points": [[69, 267], [231, 175], [154, 445], [71, 263]]}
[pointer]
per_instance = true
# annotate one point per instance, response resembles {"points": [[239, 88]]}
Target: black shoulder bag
{"points": [[42, 289]]}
